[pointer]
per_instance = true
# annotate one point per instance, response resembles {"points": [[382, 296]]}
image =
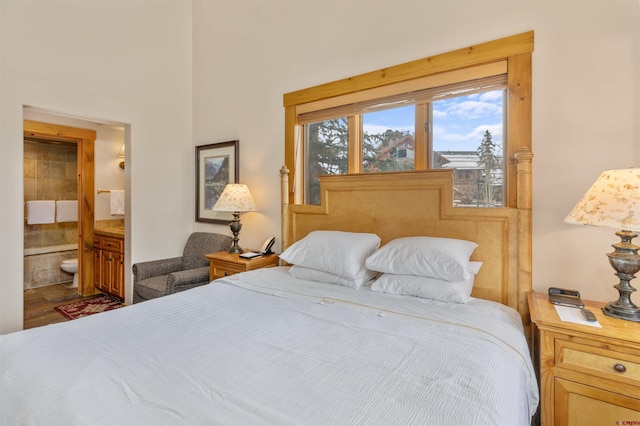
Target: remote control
{"points": [[588, 315]]}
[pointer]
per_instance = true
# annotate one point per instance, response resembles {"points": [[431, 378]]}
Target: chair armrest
{"points": [[188, 278], [153, 268]]}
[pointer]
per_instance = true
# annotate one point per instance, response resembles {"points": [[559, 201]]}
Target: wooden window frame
{"points": [[516, 50]]}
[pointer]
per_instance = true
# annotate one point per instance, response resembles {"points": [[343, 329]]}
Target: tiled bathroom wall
{"points": [[50, 173]]}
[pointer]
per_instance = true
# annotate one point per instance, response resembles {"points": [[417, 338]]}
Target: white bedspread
{"points": [[265, 348]]}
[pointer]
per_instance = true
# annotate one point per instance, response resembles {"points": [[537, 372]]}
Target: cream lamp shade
{"points": [[614, 201], [235, 198]]}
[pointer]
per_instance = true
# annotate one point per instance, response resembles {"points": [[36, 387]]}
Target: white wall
{"points": [[585, 95], [125, 62]]}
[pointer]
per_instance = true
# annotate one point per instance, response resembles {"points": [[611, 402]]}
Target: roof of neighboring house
{"points": [[406, 141], [443, 159], [459, 159]]}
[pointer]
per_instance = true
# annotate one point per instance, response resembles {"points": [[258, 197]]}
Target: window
{"points": [[468, 137], [326, 148], [388, 139], [468, 110]]}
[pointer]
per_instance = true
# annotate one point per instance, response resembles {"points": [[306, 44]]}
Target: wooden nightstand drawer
{"points": [[598, 361], [219, 271]]}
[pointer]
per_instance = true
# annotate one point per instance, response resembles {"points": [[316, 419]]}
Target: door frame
{"points": [[85, 141]]}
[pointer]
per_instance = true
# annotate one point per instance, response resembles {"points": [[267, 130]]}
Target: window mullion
{"points": [[354, 150], [421, 161]]}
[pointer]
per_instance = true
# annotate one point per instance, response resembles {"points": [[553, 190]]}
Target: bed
{"points": [[280, 346]]}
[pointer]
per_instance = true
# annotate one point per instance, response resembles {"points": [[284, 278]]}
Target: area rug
{"points": [[83, 308]]}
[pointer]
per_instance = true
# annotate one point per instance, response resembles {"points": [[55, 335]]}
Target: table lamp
{"points": [[235, 198], [614, 201]]}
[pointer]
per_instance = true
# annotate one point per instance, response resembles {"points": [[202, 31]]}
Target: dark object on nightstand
{"points": [[564, 297], [588, 315]]}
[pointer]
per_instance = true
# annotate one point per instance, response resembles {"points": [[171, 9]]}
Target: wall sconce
{"points": [[614, 202], [235, 198], [121, 155]]}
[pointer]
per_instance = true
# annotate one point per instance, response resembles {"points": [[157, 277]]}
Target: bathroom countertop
{"points": [[116, 232]]}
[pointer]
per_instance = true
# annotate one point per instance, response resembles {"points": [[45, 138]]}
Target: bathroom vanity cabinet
{"points": [[108, 268]]}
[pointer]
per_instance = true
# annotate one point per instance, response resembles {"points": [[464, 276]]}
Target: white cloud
{"points": [[448, 140], [473, 109], [493, 96], [478, 133]]}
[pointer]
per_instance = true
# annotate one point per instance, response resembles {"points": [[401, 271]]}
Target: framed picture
{"points": [[217, 164]]}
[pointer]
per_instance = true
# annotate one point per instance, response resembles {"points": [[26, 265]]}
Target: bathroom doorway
{"points": [[83, 140], [51, 210]]}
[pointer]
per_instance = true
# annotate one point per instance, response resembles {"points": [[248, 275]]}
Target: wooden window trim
{"points": [[516, 50], [406, 89]]}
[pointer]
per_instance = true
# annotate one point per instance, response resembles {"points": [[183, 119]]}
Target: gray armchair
{"points": [[158, 278]]}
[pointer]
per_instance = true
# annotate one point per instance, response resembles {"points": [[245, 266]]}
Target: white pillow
{"points": [[474, 267], [339, 253], [442, 258], [425, 287], [326, 277]]}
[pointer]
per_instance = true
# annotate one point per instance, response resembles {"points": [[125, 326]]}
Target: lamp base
{"points": [[629, 313], [235, 226], [626, 262], [235, 249]]}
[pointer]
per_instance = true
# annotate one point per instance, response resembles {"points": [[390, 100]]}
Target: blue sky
{"points": [[458, 123]]}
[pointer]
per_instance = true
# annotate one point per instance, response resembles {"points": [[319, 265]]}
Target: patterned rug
{"points": [[95, 305]]}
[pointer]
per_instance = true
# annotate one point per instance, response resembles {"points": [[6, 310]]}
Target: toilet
{"points": [[71, 266]]}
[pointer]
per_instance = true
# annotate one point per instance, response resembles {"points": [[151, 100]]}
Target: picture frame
{"points": [[217, 165]]}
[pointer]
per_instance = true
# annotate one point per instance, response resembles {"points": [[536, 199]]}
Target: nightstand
{"points": [[223, 264], [588, 375]]}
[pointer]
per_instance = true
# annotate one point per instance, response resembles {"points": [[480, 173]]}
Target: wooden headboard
{"points": [[401, 204]]}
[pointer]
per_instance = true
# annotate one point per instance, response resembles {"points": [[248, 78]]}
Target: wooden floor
{"points": [[39, 304]]}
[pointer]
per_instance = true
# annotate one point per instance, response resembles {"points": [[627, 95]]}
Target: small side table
{"points": [[223, 264], [588, 375]]}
